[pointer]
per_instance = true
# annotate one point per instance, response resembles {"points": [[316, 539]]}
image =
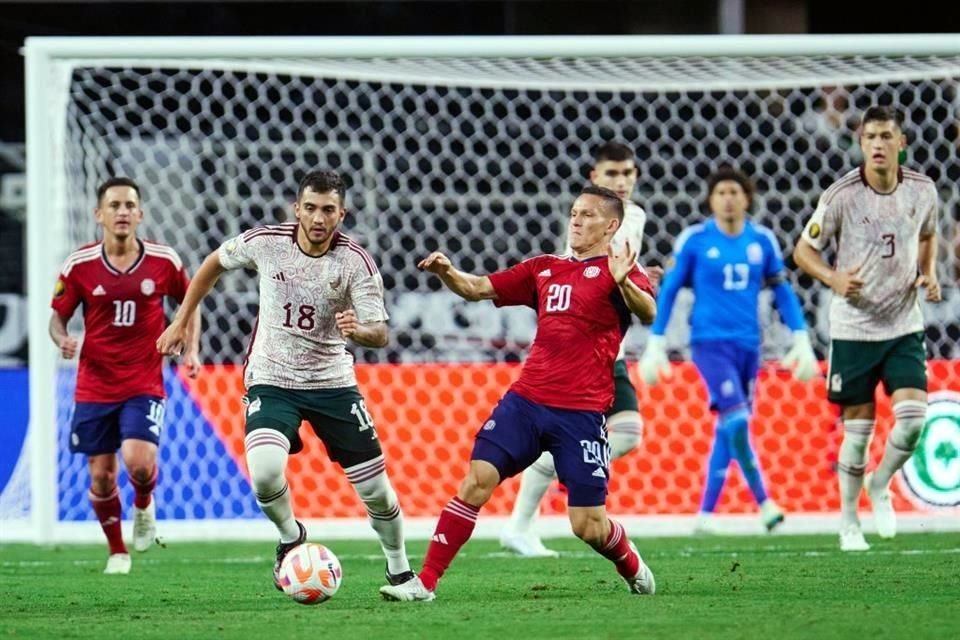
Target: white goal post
{"points": [[474, 144]]}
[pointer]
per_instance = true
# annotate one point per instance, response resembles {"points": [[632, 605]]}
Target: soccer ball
{"points": [[310, 574]]}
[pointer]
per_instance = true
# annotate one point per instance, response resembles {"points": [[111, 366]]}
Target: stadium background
{"points": [[426, 416]]}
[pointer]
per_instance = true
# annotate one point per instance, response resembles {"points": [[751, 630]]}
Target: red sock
{"points": [[109, 512], [617, 550], [143, 492], [454, 528]]}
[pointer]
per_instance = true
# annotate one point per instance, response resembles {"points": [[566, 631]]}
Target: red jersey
{"points": [[122, 316], [581, 321]]}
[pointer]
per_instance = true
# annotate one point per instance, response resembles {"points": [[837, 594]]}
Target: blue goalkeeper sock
{"points": [[716, 471], [736, 426]]}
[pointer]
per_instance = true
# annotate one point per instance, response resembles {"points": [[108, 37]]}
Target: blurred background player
{"points": [[727, 261], [121, 282], [615, 168], [584, 304], [884, 220], [318, 289]]}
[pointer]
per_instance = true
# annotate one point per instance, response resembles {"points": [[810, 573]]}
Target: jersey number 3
{"points": [[558, 297]]}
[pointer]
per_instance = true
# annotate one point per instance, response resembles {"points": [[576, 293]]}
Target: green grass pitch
{"points": [[775, 587]]}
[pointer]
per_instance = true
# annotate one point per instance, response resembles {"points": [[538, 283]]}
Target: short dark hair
{"points": [[117, 181], [613, 152], [323, 181], [726, 172], [610, 198], [879, 113]]}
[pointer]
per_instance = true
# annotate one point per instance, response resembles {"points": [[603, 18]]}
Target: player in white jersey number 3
{"points": [[883, 219], [318, 288]]}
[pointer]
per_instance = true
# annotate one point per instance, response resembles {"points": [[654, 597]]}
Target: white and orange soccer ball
{"points": [[310, 574]]}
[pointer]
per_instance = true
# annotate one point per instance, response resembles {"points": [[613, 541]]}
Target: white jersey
{"points": [[296, 343], [631, 230], [879, 233]]}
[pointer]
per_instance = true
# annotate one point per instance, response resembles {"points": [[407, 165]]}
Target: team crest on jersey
{"points": [[814, 230], [754, 253], [147, 287], [713, 253], [59, 289], [591, 272], [489, 425], [230, 247]]}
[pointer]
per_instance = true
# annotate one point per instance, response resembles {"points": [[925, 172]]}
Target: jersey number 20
{"points": [[558, 297]]}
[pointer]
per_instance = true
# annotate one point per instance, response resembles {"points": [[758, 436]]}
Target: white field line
{"points": [[685, 553]]}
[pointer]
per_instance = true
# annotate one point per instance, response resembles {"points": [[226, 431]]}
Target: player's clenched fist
{"points": [[68, 347], [436, 262], [347, 323]]}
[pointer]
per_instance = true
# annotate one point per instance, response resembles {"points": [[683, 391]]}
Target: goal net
{"points": [[475, 147]]}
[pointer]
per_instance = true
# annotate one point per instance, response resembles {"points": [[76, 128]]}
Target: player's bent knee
{"points": [[591, 526], [479, 484], [622, 443]]}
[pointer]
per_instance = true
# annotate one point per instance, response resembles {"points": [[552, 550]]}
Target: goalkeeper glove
{"points": [[800, 358], [654, 362]]}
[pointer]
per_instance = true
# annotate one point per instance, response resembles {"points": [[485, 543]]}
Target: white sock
{"points": [[534, 483], [850, 467], [267, 453], [902, 441], [370, 481], [624, 432]]}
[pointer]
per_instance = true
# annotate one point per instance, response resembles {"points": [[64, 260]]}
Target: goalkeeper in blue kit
{"points": [[727, 261]]}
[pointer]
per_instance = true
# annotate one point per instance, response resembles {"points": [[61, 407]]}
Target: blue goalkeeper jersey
{"points": [[726, 274]]}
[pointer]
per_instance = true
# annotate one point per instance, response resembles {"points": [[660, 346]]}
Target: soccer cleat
{"points": [[118, 564], [145, 526], [527, 545], [283, 549], [410, 591], [771, 514], [884, 517], [705, 525], [395, 579], [851, 538], [643, 583]]}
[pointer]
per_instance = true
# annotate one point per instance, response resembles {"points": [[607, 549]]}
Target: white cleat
{"points": [[851, 538], [145, 526], [643, 583], [884, 517], [527, 545], [118, 564], [771, 514], [705, 525], [410, 591]]}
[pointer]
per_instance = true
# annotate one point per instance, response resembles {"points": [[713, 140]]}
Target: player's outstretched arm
{"points": [[64, 341], [178, 335], [465, 285]]}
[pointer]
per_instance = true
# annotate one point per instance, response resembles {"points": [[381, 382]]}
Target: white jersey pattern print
{"points": [[878, 233], [296, 343]]}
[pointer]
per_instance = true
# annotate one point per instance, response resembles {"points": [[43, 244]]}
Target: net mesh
{"points": [[481, 158]]}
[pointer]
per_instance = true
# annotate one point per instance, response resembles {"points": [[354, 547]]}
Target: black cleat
{"points": [[283, 549], [394, 579]]}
